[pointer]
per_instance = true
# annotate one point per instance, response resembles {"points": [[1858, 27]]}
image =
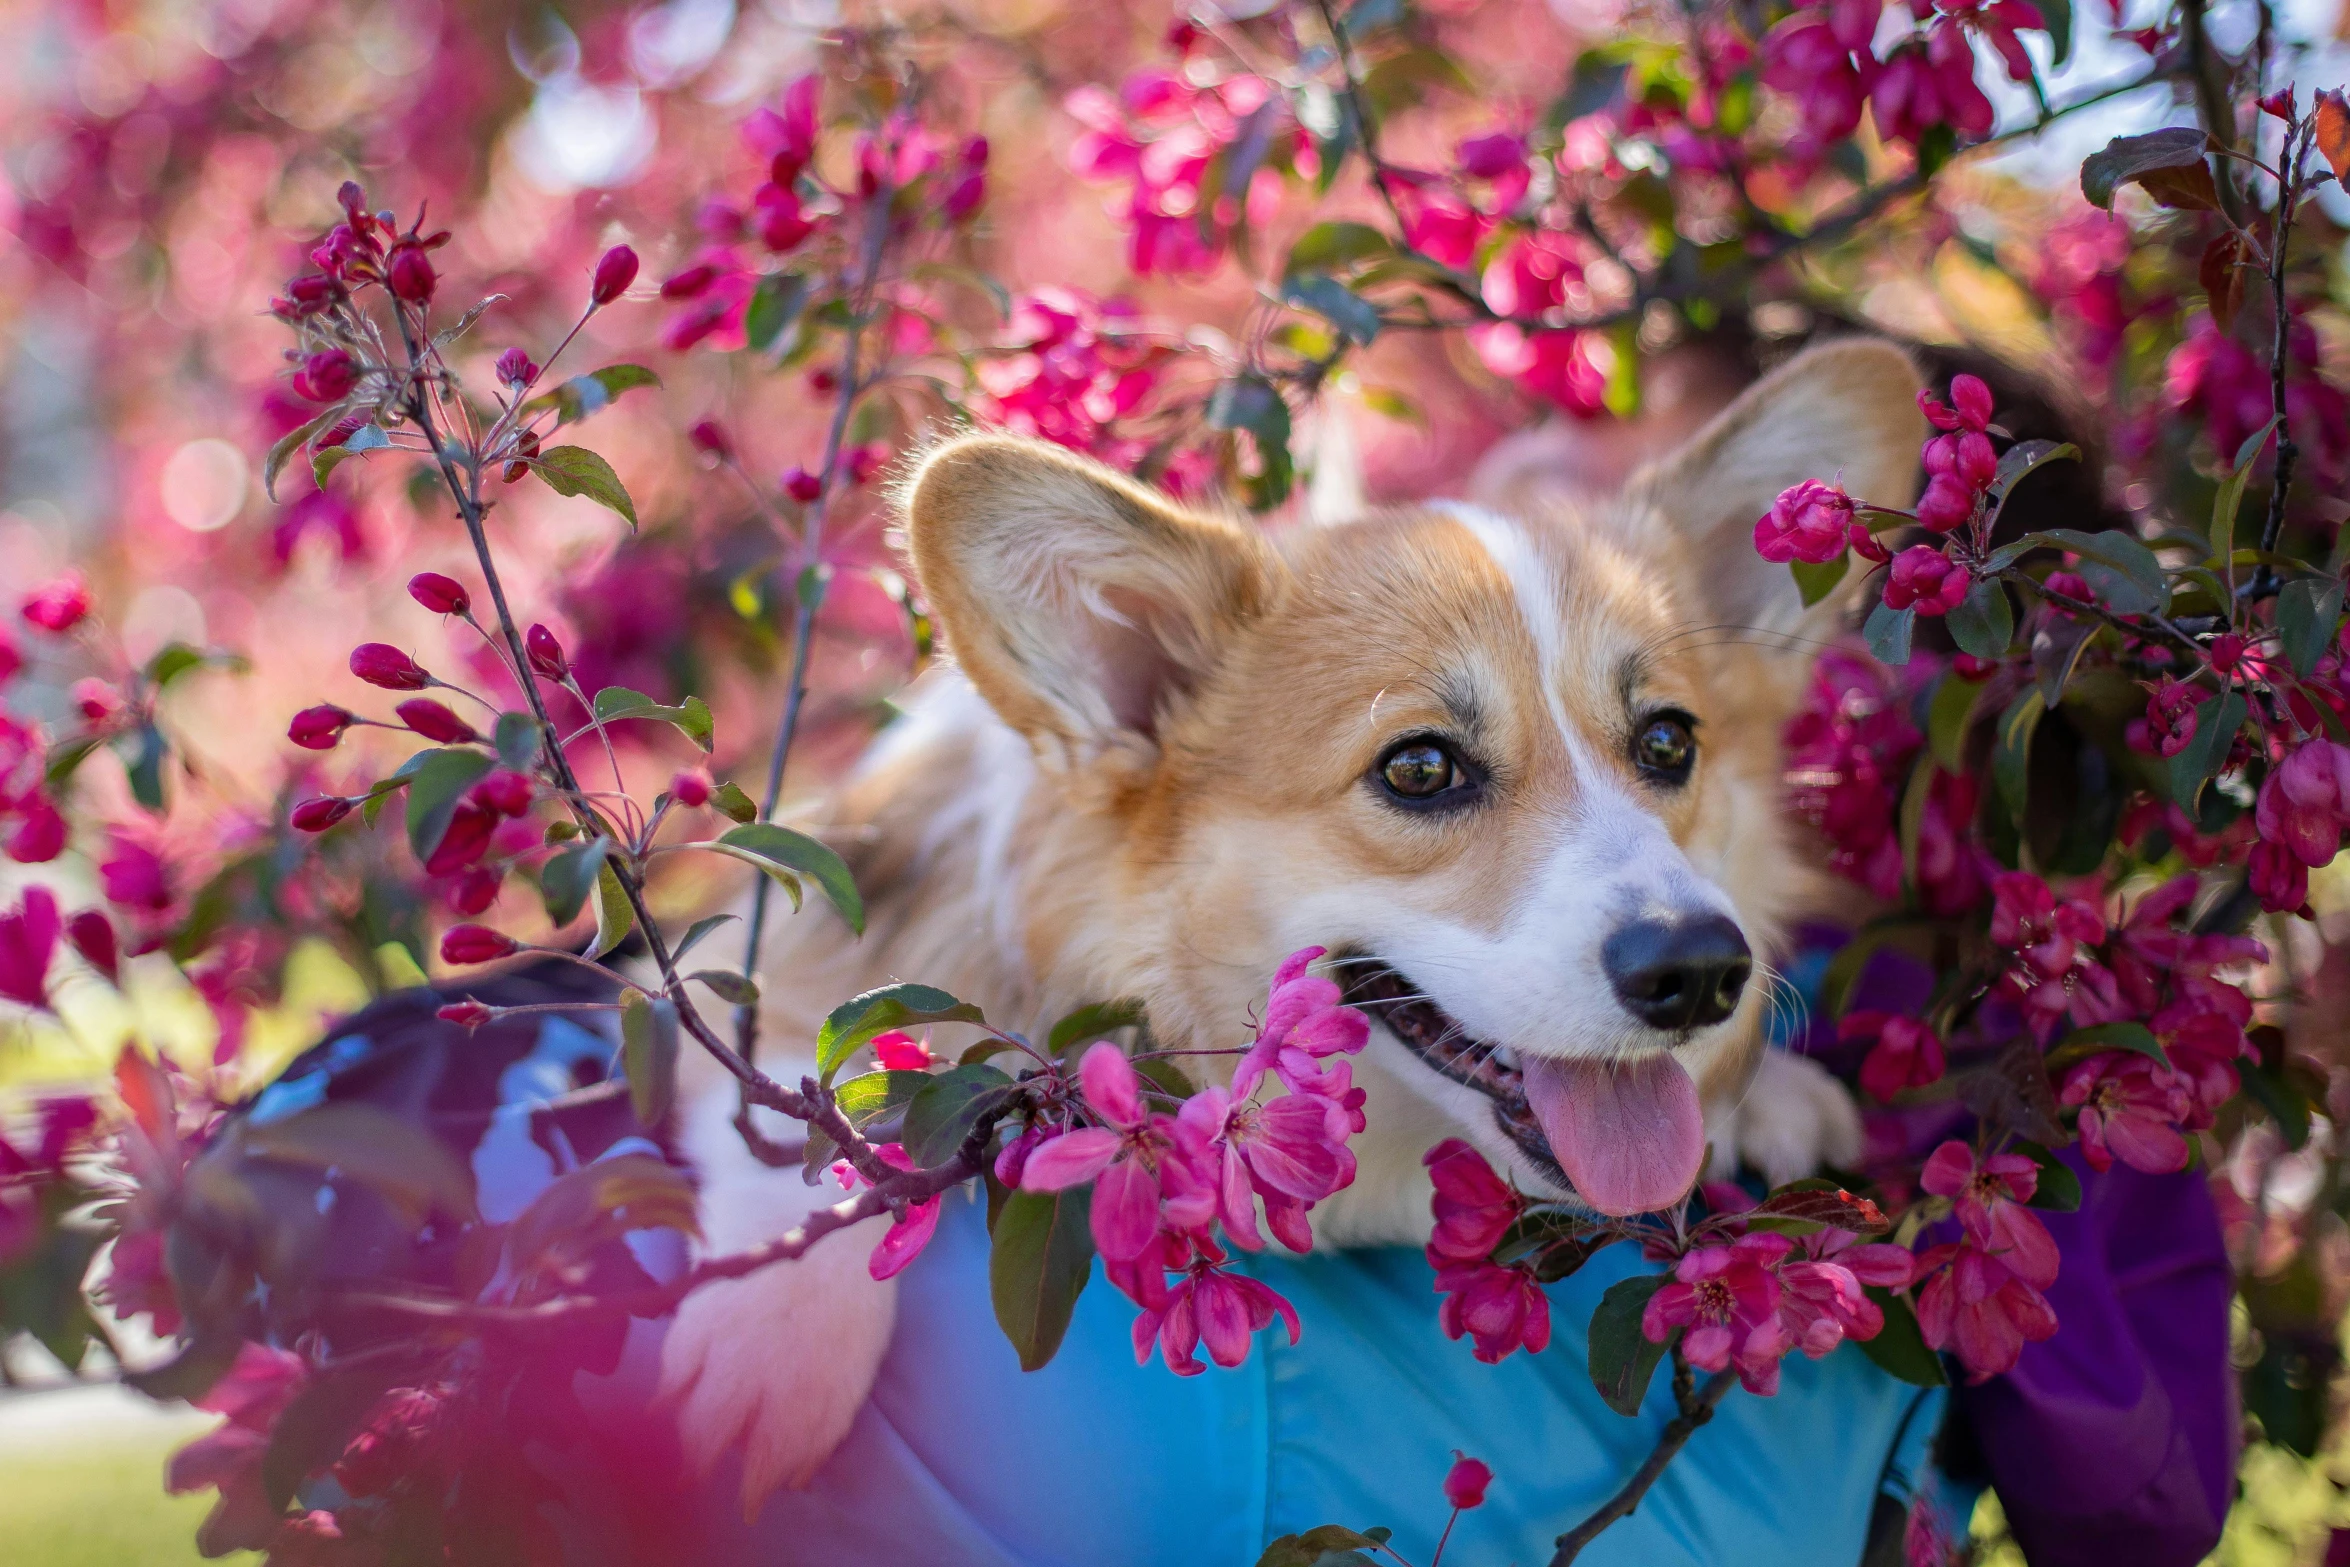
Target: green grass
{"points": [[98, 1502]]}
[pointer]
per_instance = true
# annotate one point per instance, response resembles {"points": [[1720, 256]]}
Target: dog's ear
{"points": [[1845, 411], [1079, 602]]}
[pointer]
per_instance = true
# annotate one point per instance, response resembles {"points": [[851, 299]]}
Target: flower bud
{"points": [[97, 699], [320, 814], [476, 944], [690, 282], [476, 889], [710, 436], [434, 721], [691, 789], [92, 935], [545, 653], [326, 376], [381, 664], [352, 197], [60, 606], [465, 1014], [614, 273], [505, 791], [2279, 104], [865, 461], [442, 595], [801, 485], [516, 369], [1465, 1485], [410, 276], [318, 728]]}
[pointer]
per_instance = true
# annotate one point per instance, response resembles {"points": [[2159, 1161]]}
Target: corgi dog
{"points": [[1515, 764]]}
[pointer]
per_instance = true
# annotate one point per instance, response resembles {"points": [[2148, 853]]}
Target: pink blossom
{"points": [[2304, 803], [1990, 1195], [909, 1231], [1554, 365], [2045, 934], [1907, 1053], [1929, 83], [1980, 1309], [2169, 723], [898, 1051], [2279, 880], [1727, 1298], [1304, 1023], [1810, 522], [28, 940], [1132, 1160], [134, 875], [1474, 1206], [59, 605], [1500, 1309], [2130, 1110], [1241, 1148], [1927, 579]]}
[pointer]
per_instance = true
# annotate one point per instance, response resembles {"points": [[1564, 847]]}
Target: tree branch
{"points": [[1697, 1407]]}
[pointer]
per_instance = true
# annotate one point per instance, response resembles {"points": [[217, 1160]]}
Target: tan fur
{"points": [[1164, 791]]}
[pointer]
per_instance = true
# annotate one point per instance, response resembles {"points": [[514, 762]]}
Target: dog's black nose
{"points": [[1678, 974]]}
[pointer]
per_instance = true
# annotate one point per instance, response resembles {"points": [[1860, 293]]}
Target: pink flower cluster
{"points": [[1498, 1306], [1981, 1294], [1076, 370], [1163, 1185], [2301, 813], [1160, 136], [1748, 1304], [1823, 57]]}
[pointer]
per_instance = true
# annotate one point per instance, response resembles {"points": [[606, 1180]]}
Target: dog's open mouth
{"points": [[1626, 1134]]}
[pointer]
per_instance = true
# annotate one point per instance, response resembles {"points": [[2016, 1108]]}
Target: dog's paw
{"points": [[1794, 1118], [775, 1364]]}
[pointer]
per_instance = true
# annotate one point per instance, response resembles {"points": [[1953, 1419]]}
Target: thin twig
{"points": [[1696, 1409]]}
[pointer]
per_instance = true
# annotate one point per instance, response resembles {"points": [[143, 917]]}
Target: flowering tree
{"points": [[2084, 772]]}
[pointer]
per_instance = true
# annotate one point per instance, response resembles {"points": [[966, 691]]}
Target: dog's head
{"points": [[1520, 774]]}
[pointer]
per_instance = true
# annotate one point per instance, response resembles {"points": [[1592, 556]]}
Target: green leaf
{"points": [[437, 780], [727, 985], [583, 395], [774, 848], [574, 470], [2281, 1098], [315, 1427], [1087, 1024], [1330, 1545], [1332, 300], [867, 1098], [2011, 754], [1039, 1263], [1983, 623], [2206, 752], [2230, 497], [775, 304], [389, 1154], [614, 917], [516, 740], [1622, 1358], [2057, 644], [568, 876], [2083, 1043], [949, 1105], [2025, 458], [648, 1054], [172, 661], [1329, 246], [1817, 582], [2132, 581], [367, 438], [67, 759], [1252, 403], [2308, 610], [1899, 1347], [282, 452], [692, 716], [143, 752], [2058, 1190], [859, 1018], [1887, 633], [1949, 715], [2058, 15], [733, 803], [694, 934]]}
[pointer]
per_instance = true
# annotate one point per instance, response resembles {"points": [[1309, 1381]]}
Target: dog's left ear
{"points": [[1080, 603], [1845, 411]]}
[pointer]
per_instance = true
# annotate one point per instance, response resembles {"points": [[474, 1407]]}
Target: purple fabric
{"points": [[2115, 1441]]}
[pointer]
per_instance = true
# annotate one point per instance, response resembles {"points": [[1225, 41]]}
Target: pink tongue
{"points": [[1629, 1134]]}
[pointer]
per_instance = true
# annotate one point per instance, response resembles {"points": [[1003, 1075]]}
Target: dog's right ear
{"points": [[1078, 602]]}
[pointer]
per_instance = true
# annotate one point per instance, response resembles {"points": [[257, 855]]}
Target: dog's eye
{"points": [[1666, 747], [1423, 772]]}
